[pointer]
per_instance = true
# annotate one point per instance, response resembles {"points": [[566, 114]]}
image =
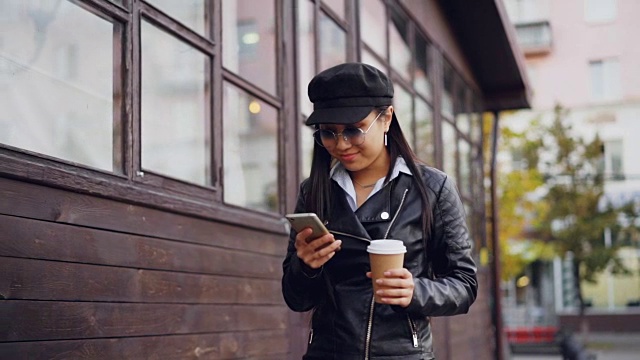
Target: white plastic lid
{"points": [[387, 247]]}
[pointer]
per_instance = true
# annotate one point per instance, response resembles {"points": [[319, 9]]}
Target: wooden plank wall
{"points": [[85, 277]]}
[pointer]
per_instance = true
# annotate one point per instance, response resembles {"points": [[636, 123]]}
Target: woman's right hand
{"points": [[316, 252]]}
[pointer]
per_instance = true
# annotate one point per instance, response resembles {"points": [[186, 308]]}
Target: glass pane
{"points": [[337, 6], [421, 81], [249, 41], [333, 43], [174, 99], [306, 143], [424, 132], [56, 83], [402, 103], [191, 13], [369, 58], [306, 57], [250, 151], [476, 123], [447, 95], [399, 49], [372, 29], [449, 142], [462, 111], [464, 153]]}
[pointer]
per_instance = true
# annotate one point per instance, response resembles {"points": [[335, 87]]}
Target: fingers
{"points": [[316, 252], [396, 287]]}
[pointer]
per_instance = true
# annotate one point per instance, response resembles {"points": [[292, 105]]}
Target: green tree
{"points": [[578, 215], [520, 209]]}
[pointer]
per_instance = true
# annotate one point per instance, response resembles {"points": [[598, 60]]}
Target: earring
{"points": [[385, 139]]}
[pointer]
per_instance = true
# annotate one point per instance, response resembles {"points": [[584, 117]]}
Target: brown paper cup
{"points": [[384, 255]]}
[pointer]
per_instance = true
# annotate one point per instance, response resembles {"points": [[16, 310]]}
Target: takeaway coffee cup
{"points": [[384, 255]]}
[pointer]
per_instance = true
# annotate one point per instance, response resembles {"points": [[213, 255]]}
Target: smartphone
{"points": [[302, 221]]}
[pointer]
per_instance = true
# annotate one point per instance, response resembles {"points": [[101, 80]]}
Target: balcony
{"points": [[534, 37]]}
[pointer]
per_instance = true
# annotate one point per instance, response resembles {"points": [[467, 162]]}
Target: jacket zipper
{"points": [[414, 332], [353, 236], [373, 303], [311, 327]]}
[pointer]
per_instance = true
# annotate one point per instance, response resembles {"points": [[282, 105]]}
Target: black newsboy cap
{"points": [[346, 93]]}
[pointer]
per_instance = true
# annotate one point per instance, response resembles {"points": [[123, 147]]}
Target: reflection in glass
{"points": [[421, 81], [56, 83], [333, 43], [372, 29], [369, 58], [337, 6], [464, 155], [424, 132], [174, 98], [447, 95], [449, 142], [189, 12], [399, 49], [306, 57], [249, 41], [476, 123], [306, 71], [462, 111], [250, 151], [306, 143], [402, 104]]}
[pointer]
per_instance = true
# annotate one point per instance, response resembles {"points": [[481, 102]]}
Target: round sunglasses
{"points": [[351, 134]]}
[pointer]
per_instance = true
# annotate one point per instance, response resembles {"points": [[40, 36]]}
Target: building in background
{"points": [[148, 150], [582, 55]]}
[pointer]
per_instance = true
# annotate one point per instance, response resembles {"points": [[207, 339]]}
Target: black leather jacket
{"points": [[346, 323]]}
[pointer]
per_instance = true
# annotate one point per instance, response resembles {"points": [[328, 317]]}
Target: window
{"points": [[402, 104], [189, 12], [40, 57], [524, 11], [446, 107], [613, 159], [250, 151], [605, 80], [174, 140], [425, 145], [249, 41], [600, 10], [338, 6], [449, 141], [333, 43], [421, 80], [399, 49], [372, 28]]}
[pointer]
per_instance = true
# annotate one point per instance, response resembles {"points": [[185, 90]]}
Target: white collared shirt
{"points": [[341, 176]]}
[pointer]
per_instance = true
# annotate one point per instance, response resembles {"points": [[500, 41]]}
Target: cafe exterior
{"points": [[149, 150]]}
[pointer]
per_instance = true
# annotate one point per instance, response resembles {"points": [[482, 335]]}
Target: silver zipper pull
{"points": [[415, 340]]}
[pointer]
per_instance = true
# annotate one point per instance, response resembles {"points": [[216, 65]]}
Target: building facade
{"points": [[581, 55], [148, 150]]}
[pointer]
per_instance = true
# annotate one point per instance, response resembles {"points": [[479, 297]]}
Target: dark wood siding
{"points": [[86, 277]]}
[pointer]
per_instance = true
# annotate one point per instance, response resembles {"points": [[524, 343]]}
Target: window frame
{"points": [[129, 182]]}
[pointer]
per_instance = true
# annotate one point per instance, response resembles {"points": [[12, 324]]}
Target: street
{"points": [[605, 346]]}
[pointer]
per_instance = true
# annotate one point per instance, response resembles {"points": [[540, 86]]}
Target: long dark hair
{"points": [[318, 199]]}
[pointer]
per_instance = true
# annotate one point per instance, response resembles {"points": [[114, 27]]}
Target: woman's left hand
{"points": [[399, 287]]}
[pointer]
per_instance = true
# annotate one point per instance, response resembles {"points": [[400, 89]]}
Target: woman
{"points": [[366, 184]]}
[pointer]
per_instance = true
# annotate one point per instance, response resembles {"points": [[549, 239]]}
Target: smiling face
{"points": [[370, 157]]}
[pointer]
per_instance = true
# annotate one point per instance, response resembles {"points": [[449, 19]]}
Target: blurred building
{"points": [[582, 55], [148, 150]]}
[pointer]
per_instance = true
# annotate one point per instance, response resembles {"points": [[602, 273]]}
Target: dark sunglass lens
{"points": [[327, 135], [355, 135]]}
